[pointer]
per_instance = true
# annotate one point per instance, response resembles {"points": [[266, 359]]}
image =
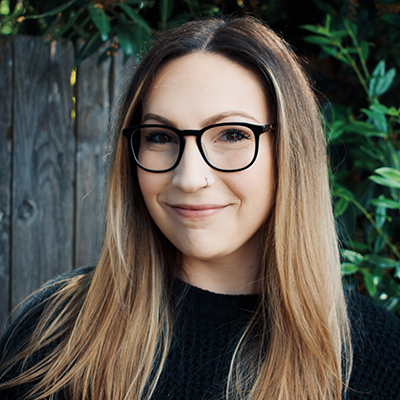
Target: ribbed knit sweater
{"points": [[207, 328]]}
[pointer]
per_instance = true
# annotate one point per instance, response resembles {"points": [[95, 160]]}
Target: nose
{"points": [[191, 173]]}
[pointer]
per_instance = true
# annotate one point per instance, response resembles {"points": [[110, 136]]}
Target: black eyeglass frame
{"points": [[256, 129]]}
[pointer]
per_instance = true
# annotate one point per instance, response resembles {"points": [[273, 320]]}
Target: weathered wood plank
{"points": [[6, 100], [43, 164], [93, 108], [122, 71]]}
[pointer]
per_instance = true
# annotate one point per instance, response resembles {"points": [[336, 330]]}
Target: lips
{"points": [[197, 211]]}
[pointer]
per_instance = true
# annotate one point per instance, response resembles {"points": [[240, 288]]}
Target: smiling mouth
{"points": [[196, 211]]}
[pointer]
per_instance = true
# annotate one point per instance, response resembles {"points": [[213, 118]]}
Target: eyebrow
{"points": [[209, 121]]}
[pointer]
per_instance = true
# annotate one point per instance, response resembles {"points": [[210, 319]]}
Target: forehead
{"points": [[194, 87]]}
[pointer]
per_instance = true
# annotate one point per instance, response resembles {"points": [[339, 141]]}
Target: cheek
{"points": [[256, 185], [257, 192], [151, 186]]}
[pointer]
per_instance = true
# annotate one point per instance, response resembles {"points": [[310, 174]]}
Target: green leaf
{"points": [[374, 153], [135, 17], [378, 118], [334, 53], [392, 160], [70, 23], [380, 243], [381, 262], [393, 19], [394, 287], [52, 12], [388, 203], [380, 108], [369, 282], [373, 82], [76, 29], [357, 246], [363, 128], [384, 182], [101, 20], [371, 237], [378, 72], [165, 10], [338, 125], [193, 5], [125, 33], [394, 112], [389, 177], [381, 81], [335, 130], [352, 50], [352, 256], [380, 216], [320, 40], [379, 69], [341, 191], [209, 9], [348, 268], [315, 29], [337, 35], [391, 304], [340, 207], [385, 82], [364, 50], [351, 27], [364, 192]]}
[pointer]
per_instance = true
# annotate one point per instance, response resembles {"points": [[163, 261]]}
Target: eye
{"points": [[233, 136], [160, 138]]}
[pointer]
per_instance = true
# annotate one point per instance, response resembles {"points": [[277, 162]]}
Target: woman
{"points": [[219, 276]]}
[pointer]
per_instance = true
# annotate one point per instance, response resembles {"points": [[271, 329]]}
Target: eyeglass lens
{"points": [[225, 147]]}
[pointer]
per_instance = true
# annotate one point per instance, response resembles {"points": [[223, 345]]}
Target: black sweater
{"points": [[207, 328]]}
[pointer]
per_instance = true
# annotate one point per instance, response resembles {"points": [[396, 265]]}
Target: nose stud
{"points": [[207, 183]]}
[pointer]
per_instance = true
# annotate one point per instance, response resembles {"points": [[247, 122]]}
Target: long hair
{"points": [[297, 345]]}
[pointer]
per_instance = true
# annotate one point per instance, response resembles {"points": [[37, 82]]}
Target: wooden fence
{"points": [[52, 166]]}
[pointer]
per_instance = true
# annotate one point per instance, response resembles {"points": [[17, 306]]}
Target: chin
{"points": [[206, 255], [197, 250]]}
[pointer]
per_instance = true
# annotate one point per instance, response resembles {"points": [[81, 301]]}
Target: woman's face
{"points": [[216, 224]]}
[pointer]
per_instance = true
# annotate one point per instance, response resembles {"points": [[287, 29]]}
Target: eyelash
{"points": [[150, 138], [163, 138], [243, 135]]}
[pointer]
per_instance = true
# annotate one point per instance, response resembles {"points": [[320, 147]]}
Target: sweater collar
{"points": [[214, 305]]}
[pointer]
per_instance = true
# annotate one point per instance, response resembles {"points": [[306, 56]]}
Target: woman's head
{"points": [[255, 51], [211, 216], [297, 143]]}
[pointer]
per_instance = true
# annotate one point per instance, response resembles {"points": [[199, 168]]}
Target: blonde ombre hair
{"points": [[115, 325]]}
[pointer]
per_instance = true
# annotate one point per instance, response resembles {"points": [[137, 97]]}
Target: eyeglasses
{"points": [[227, 147]]}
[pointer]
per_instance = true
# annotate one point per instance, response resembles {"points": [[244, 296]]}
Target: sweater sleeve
{"points": [[20, 331], [376, 348]]}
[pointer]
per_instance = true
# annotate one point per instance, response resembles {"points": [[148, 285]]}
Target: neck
{"points": [[227, 276]]}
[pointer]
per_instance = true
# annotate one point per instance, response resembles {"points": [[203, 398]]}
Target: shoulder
{"points": [[19, 333], [376, 349], [32, 309]]}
